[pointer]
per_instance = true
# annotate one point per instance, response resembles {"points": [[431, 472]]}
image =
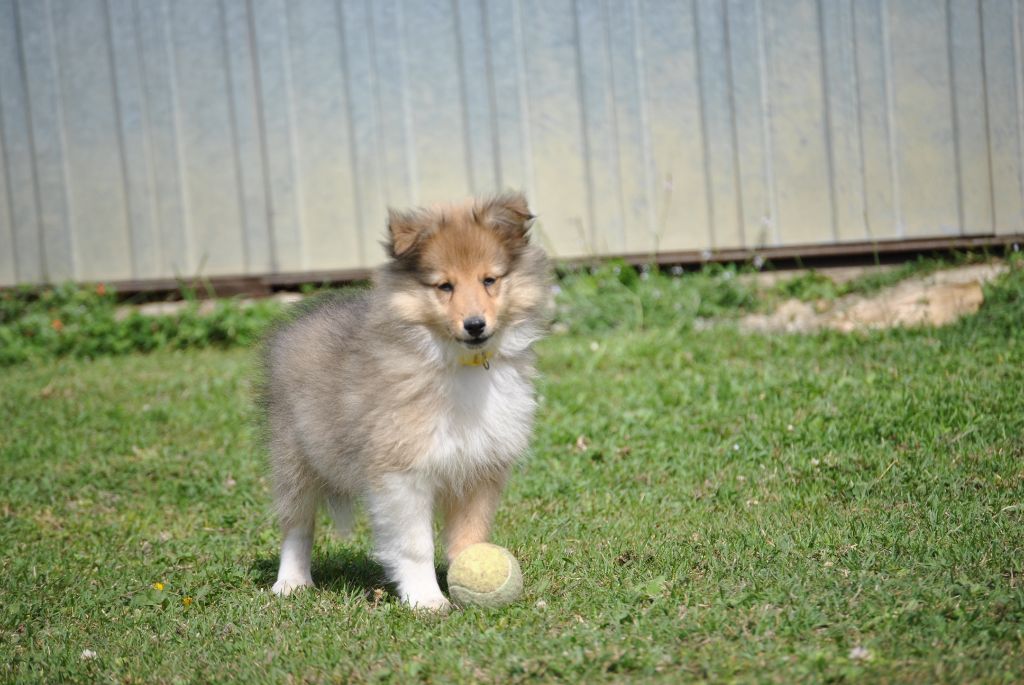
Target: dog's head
{"points": [[457, 269]]}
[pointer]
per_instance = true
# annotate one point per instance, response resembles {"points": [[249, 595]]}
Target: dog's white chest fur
{"points": [[483, 423]]}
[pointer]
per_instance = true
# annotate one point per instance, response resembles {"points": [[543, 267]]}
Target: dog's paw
{"points": [[434, 605], [286, 586]]}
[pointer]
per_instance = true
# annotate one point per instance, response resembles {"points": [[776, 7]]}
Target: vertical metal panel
{"points": [[141, 232], [21, 220], [161, 104], [922, 114], [94, 170], [968, 83], [714, 60], [435, 100], [601, 145], [364, 119], [876, 134], [746, 56], [477, 97], [396, 155], [207, 146], [841, 89], [1018, 47], [247, 135], [682, 209], [8, 274], [554, 130], [273, 64], [632, 130], [1002, 64], [505, 39], [798, 123], [46, 119], [328, 197], [161, 138]]}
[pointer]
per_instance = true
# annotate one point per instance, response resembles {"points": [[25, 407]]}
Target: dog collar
{"points": [[479, 359]]}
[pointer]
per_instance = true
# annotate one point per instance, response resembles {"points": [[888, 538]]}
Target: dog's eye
{"points": [[446, 287], [488, 282]]}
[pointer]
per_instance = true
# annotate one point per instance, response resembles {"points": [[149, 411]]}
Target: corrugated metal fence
{"points": [[156, 138]]}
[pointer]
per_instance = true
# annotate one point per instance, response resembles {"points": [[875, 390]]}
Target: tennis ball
{"points": [[485, 575]]}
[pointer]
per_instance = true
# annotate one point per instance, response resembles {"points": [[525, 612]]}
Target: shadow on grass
{"points": [[346, 570]]}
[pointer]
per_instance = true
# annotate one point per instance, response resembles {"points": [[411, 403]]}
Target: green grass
{"points": [[614, 295], [84, 322], [746, 507], [89, 321], [813, 285]]}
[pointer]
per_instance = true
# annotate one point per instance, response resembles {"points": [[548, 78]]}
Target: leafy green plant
{"points": [[615, 295], [86, 322], [812, 285], [807, 286]]}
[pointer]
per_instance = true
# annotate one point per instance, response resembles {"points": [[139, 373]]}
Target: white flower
{"points": [[88, 655], [859, 653]]}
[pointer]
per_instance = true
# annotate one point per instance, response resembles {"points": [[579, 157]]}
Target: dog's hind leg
{"points": [[297, 551], [296, 498], [342, 511]]}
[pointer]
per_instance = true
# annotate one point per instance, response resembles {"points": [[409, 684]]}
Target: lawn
{"points": [[699, 504]]}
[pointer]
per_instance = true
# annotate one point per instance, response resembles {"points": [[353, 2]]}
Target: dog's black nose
{"points": [[475, 326]]}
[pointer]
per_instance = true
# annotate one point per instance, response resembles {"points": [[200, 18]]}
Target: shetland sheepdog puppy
{"points": [[413, 396]]}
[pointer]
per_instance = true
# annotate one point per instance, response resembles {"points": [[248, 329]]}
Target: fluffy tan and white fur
{"points": [[413, 396]]}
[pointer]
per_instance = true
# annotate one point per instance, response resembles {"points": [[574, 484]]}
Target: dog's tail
{"points": [[342, 511]]}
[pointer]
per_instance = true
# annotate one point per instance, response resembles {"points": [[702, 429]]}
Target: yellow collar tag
{"points": [[479, 359]]}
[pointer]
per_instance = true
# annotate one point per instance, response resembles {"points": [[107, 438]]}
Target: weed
{"points": [[813, 285], [86, 322], [616, 296]]}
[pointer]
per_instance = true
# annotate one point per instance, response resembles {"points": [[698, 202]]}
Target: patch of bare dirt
{"points": [[206, 307], [934, 300]]}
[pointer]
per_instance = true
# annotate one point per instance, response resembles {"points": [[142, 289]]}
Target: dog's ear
{"points": [[404, 230], [508, 214]]}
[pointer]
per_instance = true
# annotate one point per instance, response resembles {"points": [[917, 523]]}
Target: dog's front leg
{"points": [[468, 515], [401, 513]]}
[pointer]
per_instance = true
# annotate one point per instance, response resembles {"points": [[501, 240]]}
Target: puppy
{"points": [[413, 396]]}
